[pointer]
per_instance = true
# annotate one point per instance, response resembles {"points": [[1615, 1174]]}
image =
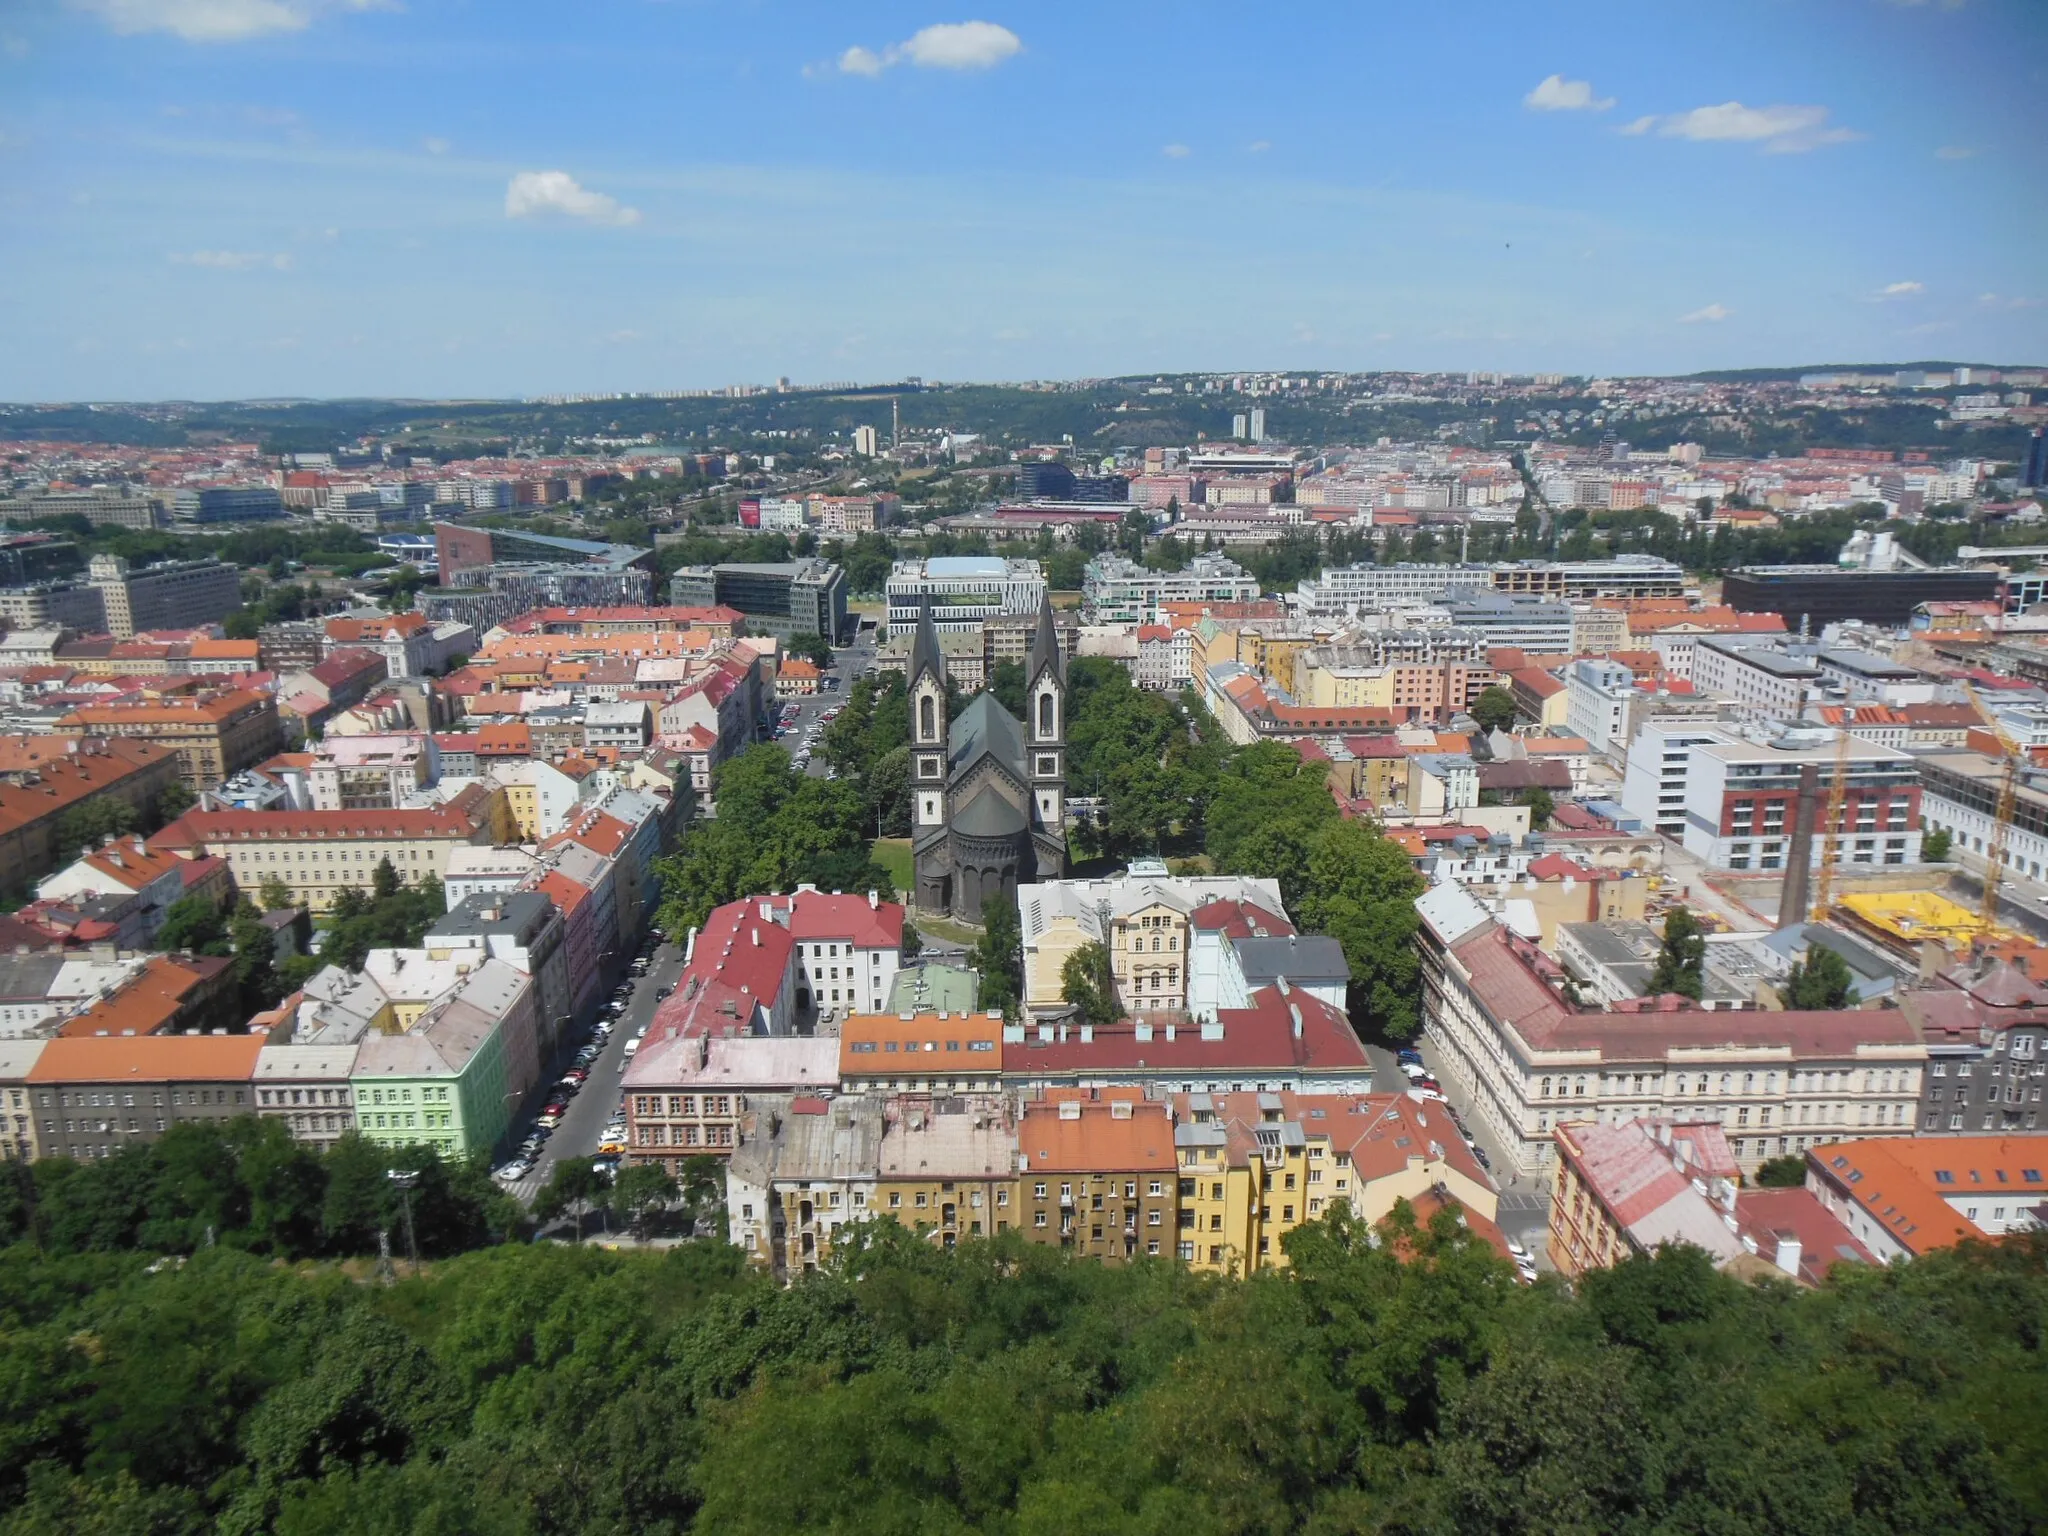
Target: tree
{"points": [[1681, 963], [702, 1184], [1494, 709], [812, 647], [384, 881], [255, 959], [175, 800], [194, 923], [1087, 982], [1934, 845], [1007, 683], [1823, 981], [1361, 890], [87, 825], [574, 1188], [639, 1191], [1541, 806], [1788, 1172], [275, 895], [886, 790], [999, 955]]}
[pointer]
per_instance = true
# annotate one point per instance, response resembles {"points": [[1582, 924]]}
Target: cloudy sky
{"points": [[243, 198]]}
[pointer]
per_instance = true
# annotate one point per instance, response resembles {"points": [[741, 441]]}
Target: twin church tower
{"points": [[988, 793]]}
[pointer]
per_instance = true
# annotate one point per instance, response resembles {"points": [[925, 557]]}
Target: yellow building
{"points": [[318, 854], [948, 1173], [1254, 1166]]}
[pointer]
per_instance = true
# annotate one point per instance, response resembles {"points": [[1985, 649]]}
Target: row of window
{"points": [[181, 1097], [283, 1096], [1869, 1080], [682, 1104], [683, 1136]]}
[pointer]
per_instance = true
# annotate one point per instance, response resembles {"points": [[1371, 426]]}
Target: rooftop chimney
{"points": [[1789, 1249]]}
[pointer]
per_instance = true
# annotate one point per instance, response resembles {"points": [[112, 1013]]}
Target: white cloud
{"points": [[1175, 151], [1557, 94], [1954, 152], [1781, 130], [533, 194], [1900, 290], [435, 146], [957, 45], [234, 261], [1258, 146], [217, 21], [1713, 314]]}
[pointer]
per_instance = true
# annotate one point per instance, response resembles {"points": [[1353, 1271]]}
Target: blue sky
{"points": [[243, 198]]}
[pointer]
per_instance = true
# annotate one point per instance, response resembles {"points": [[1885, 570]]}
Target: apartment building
{"points": [[946, 1168], [36, 798], [1742, 792], [1904, 1199], [688, 1095], [524, 930], [796, 598], [411, 644], [93, 1095], [1530, 1059], [214, 734], [812, 1166], [372, 773], [930, 1053], [1599, 694], [317, 854], [18, 1134], [308, 1088], [1142, 918], [1253, 1167], [1657, 777], [1961, 792], [1097, 1174]]}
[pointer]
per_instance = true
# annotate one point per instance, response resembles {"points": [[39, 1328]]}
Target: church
{"points": [[988, 794]]}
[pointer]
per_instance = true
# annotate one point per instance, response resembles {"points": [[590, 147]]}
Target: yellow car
{"points": [[612, 1149]]}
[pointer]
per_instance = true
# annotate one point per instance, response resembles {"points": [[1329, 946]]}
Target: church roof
{"points": [[985, 727], [990, 814]]}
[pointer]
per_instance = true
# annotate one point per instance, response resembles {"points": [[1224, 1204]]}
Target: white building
{"points": [[1659, 761], [1752, 670], [372, 773], [1117, 590], [1598, 694], [486, 872], [626, 726], [1528, 1060], [963, 590]]}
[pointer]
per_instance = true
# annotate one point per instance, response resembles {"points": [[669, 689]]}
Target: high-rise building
{"points": [[797, 598], [864, 442], [1239, 427], [2034, 472], [173, 594], [1258, 424]]}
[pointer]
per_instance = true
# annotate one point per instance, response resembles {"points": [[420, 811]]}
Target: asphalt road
{"points": [[582, 1128], [847, 665]]}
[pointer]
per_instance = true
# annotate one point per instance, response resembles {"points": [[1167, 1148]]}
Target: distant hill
{"points": [[1766, 375]]}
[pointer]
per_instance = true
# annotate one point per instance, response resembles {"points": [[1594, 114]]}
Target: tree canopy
{"points": [[1393, 1381], [1682, 960]]}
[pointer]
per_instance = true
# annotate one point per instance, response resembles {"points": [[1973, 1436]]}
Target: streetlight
{"points": [[405, 1181]]}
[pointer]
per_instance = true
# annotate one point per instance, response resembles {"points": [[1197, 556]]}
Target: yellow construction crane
{"points": [[2001, 821], [1831, 842]]}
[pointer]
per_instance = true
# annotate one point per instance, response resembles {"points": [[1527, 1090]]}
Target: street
{"points": [[582, 1128], [1524, 1202], [847, 665]]}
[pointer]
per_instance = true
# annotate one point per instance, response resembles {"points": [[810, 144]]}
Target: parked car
{"points": [[574, 1077], [1521, 1254], [513, 1171], [1414, 1069], [662, 993], [1409, 1053], [550, 1119]]}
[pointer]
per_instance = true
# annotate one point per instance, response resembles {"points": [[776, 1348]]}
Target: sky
{"points": [[244, 199]]}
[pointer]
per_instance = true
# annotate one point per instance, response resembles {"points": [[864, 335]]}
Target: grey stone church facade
{"points": [[988, 792]]}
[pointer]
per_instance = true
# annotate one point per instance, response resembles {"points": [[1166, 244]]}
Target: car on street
{"points": [[514, 1171], [1413, 1070], [574, 1078], [549, 1119]]}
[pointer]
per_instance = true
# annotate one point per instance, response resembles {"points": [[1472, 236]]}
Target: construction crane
{"points": [[1831, 841], [2001, 820]]}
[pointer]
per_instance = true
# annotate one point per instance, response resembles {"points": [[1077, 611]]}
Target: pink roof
{"points": [[1555, 866], [740, 959], [1767, 1215]]}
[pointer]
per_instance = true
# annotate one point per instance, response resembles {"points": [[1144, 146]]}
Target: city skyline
{"points": [[236, 199]]}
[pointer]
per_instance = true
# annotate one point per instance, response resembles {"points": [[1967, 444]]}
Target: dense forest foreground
{"points": [[1394, 1381]]}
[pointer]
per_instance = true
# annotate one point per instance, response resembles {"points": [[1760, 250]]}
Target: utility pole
{"points": [[405, 1182]]}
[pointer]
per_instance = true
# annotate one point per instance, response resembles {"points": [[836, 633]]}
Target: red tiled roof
{"points": [[1261, 1036]]}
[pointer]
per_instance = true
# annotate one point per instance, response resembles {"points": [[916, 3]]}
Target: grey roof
{"points": [[300, 1062], [844, 1142], [1302, 958], [990, 814], [29, 975], [520, 913], [985, 726], [18, 1057]]}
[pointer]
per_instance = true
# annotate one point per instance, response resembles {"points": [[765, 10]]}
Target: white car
{"points": [[1412, 1071], [514, 1171]]}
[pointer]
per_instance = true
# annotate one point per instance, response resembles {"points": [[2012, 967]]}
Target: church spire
{"points": [[1045, 644], [925, 652]]}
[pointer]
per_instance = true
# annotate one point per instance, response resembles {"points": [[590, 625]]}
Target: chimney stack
{"points": [[1789, 1249], [1792, 895]]}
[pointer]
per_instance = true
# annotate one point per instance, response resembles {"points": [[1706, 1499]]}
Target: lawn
{"points": [[893, 854]]}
